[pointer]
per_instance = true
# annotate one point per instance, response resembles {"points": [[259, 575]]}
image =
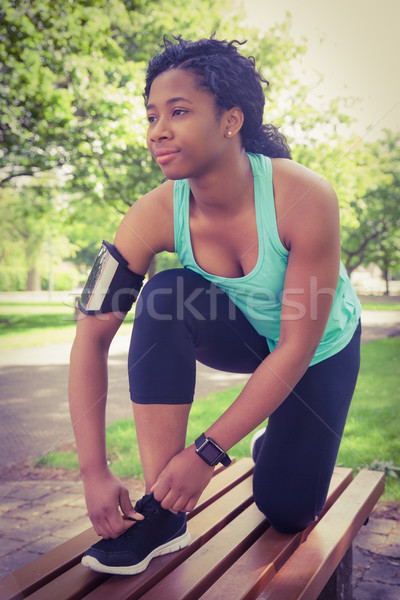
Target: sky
{"points": [[354, 44]]}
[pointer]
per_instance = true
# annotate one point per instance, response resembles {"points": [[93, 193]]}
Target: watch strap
{"points": [[223, 457]]}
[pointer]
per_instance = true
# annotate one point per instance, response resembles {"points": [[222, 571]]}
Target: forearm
{"points": [[87, 398], [266, 389]]}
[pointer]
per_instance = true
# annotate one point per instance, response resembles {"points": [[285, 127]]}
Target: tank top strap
{"points": [[265, 204]]}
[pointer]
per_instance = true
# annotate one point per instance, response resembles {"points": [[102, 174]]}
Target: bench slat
{"points": [[304, 575], [197, 573], [71, 585], [202, 527], [48, 567], [79, 581], [234, 553], [224, 480], [40, 571], [252, 571]]}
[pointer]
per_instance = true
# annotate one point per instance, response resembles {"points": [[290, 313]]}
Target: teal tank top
{"points": [[259, 293]]}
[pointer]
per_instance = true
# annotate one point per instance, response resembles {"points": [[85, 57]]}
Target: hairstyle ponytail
{"points": [[268, 140], [234, 81]]}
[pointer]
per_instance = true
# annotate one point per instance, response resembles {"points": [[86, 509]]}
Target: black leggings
{"points": [[180, 318]]}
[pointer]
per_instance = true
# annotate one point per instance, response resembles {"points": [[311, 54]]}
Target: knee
{"points": [[174, 294], [158, 296], [287, 513]]}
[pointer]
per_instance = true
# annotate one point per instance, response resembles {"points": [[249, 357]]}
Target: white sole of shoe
{"points": [[172, 546]]}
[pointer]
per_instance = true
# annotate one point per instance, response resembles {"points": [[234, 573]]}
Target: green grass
{"points": [[25, 325], [388, 306], [371, 437], [66, 460]]}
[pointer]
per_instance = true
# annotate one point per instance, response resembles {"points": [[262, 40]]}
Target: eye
{"points": [[177, 112], [151, 118]]}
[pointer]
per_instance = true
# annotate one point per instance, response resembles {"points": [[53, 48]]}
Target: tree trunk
{"points": [[387, 279], [33, 280]]}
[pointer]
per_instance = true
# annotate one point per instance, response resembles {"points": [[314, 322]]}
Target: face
{"points": [[186, 136]]}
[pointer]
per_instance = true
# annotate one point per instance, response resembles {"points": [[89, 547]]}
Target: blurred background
{"points": [[72, 123]]}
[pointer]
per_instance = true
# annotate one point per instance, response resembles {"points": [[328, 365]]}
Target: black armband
{"points": [[111, 285]]}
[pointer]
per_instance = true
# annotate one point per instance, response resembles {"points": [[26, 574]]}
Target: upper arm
{"points": [[147, 228], [309, 217]]}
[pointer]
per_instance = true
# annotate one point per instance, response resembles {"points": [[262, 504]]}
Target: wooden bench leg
{"points": [[339, 586]]}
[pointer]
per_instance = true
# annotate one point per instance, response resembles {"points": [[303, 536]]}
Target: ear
{"points": [[233, 121]]}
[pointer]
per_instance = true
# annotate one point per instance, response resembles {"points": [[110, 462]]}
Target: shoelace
{"points": [[147, 506]]}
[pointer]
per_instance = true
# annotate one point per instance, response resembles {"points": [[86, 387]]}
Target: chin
{"points": [[174, 174]]}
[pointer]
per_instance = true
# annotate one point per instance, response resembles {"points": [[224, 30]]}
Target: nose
{"points": [[159, 131]]}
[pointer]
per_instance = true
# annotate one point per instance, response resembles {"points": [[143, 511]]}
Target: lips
{"points": [[165, 156]]}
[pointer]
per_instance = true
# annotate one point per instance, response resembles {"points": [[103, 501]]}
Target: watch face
{"points": [[210, 453]]}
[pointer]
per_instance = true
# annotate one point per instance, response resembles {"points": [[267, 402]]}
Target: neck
{"points": [[225, 189]]}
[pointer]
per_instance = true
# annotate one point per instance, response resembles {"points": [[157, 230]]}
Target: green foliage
{"points": [[12, 279], [71, 81], [167, 260], [375, 236]]}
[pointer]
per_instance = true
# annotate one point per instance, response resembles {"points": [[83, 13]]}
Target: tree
{"points": [[71, 81], [374, 238], [32, 220], [71, 86]]}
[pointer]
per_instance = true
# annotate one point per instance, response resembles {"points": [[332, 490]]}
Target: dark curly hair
{"points": [[234, 81]]}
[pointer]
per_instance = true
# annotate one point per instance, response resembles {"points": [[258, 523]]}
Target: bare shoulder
{"points": [[302, 197], [290, 178], [148, 227], [160, 199]]}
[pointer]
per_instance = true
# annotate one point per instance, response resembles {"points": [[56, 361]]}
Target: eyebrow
{"points": [[170, 101]]}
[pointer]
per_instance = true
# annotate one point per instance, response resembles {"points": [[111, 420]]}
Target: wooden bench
{"points": [[234, 553]]}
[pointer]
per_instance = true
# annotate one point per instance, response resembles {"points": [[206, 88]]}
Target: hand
{"points": [[181, 482], [108, 504]]}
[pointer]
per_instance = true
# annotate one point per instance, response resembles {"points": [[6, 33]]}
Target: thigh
{"points": [[224, 338], [180, 318], [298, 454]]}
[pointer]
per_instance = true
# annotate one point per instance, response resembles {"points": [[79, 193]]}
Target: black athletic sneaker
{"points": [[160, 532]]}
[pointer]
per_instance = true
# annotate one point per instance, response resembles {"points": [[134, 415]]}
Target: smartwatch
{"points": [[210, 452]]}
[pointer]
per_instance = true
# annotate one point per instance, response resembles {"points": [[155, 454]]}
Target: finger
{"points": [[171, 500], [103, 529], [116, 525], [100, 525], [179, 505], [134, 516], [160, 490], [190, 505], [129, 513]]}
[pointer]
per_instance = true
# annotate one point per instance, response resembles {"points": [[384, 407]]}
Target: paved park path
{"points": [[38, 512]]}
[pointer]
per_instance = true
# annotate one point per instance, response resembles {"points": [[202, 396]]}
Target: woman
{"points": [[262, 292]]}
